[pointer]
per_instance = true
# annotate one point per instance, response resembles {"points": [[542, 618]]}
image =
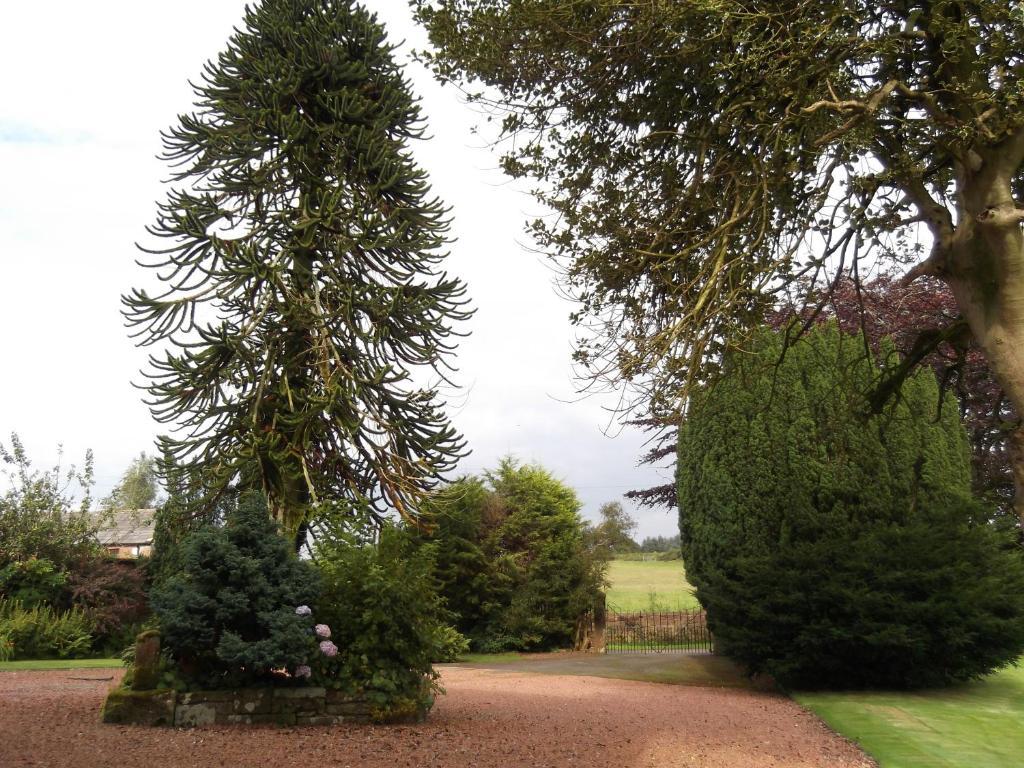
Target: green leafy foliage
{"points": [[43, 632], [513, 563], [228, 617], [705, 158], [385, 616], [38, 514], [32, 582], [833, 547], [301, 254]]}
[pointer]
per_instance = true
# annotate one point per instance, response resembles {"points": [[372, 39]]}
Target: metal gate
{"points": [[648, 632]]}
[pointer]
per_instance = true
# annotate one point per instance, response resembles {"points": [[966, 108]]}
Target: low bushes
{"points": [[34, 581], [50, 556], [385, 617], [42, 632], [362, 618]]}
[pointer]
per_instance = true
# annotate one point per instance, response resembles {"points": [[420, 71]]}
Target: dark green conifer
{"points": [[833, 547], [303, 299]]}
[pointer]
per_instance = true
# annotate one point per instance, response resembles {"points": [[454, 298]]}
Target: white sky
{"points": [[87, 88]]}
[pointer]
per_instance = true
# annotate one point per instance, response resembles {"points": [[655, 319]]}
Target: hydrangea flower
{"points": [[303, 671], [303, 610], [327, 648], [322, 630]]}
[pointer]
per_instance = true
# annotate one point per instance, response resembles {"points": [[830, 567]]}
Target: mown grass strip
{"points": [[33, 665], [976, 725]]}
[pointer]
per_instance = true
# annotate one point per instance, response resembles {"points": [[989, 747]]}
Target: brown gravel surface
{"points": [[489, 718]]}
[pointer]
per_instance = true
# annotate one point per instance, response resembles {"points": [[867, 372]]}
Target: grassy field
{"points": [[42, 664], [651, 585], [978, 725]]}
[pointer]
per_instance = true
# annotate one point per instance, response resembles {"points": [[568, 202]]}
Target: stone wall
{"points": [[278, 706]]}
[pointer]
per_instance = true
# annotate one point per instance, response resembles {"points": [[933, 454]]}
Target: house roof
{"points": [[127, 527]]}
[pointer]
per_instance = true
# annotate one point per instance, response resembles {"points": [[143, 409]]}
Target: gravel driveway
{"points": [[490, 717]]}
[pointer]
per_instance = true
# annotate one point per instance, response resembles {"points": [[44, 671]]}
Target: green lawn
{"points": [[977, 725], [651, 585], [42, 664]]}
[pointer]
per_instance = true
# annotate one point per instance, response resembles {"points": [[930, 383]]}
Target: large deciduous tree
{"points": [[303, 298], [706, 156], [138, 488]]}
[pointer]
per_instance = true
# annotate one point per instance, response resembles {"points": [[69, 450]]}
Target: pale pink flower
{"points": [[303, 671], [322, 630], [327, 648]]}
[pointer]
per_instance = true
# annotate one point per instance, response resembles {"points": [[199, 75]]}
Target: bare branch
{"points": [[1002, 215]]}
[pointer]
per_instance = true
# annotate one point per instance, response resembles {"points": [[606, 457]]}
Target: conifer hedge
{"points": [[833, 547]]}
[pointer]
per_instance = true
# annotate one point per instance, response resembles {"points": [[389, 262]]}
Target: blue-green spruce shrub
{"points": [[228, 617]]}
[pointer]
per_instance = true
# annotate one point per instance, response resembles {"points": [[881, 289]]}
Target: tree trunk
{"points": [[985, 270]]}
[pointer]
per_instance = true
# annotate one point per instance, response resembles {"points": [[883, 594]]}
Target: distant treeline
{"points": [[660, 544]]}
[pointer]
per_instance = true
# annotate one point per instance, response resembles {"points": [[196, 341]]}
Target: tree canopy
{"points": [[300, 249], [709, 159], [138, 488], [39, 515]]}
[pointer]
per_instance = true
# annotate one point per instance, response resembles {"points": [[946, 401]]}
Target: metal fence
{"points": [[667, 632]]}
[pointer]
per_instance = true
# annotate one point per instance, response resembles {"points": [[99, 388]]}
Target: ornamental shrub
{"points": [[36, 581], [385, 617], [112, 593], [228, 617], [833, 547]]}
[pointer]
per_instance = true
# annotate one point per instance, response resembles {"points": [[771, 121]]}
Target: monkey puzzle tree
{"points": [[708, 157], [303, 299]]}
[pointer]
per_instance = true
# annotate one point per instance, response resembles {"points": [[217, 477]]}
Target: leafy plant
{"points": [[32, 582], [386, 619], [42, 632], [452, 645]]}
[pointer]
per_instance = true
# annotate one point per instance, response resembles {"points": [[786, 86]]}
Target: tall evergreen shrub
{"points": [[833, 547], [513, 563]]}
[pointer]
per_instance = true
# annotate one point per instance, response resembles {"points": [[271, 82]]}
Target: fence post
{"points": [[600, 621]]}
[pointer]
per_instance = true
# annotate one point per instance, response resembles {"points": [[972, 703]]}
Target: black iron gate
{"points": [[667, 632]]}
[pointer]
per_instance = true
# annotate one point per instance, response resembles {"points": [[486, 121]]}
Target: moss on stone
{"points": [[127, 707]]}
